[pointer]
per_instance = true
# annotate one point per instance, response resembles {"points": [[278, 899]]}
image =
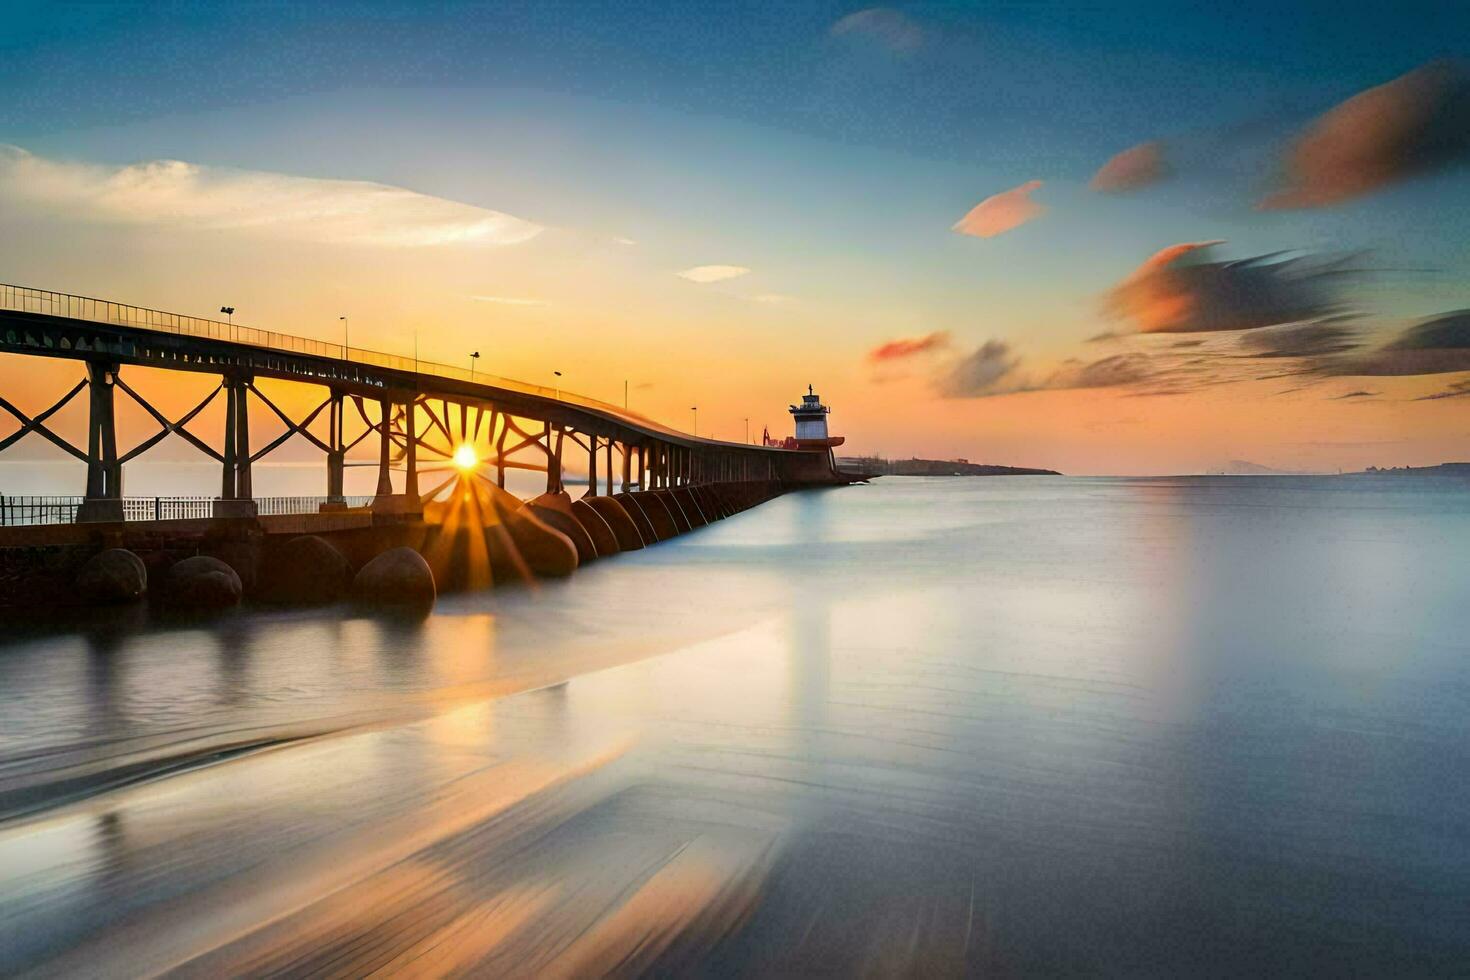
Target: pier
{"points": [[434, 427]]}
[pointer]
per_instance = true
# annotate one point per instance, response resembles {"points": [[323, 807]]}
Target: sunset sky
{"points": [[1100, 238]]}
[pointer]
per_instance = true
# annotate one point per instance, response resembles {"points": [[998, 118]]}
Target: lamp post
{"points": [[558, 385], [695, 410], [747, 430], [229, 312], [344, 337], [473, 358]]}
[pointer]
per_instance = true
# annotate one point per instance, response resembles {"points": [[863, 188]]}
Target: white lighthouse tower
{"points": [[811, 423]]}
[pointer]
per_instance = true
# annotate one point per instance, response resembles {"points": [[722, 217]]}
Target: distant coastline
{"points": [[941, 467], [1442, 469]]}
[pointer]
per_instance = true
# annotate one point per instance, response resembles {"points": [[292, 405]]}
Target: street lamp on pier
{"points": [[695, 410], [345, 338], [558, 385], [473, 358]]}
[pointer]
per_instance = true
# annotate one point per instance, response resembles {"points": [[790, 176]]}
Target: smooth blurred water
{"points": [[1020, 725]]}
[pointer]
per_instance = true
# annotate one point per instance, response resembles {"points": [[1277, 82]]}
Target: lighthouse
{"points": [[811, 423]]}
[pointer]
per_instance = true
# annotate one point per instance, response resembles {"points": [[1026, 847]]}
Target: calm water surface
{"points": [[1016, 726]]}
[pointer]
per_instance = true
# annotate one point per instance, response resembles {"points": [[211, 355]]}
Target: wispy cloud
{"points": [[1439, 345], [1417, 123], [175, 193], [509, 300], [1136, 167], [994, 368], [772, 299], [1178, 290], [1001, 212], [713, 273], [905, 347], [1460, 389], [894, 30], [1354, 394]]}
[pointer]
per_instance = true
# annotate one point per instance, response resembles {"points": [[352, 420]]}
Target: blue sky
{"points": [[830, 162]]}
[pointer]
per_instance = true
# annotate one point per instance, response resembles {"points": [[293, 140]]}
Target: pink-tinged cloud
{"points": [[1138, 166], [903, 347], [1417, 123], [1002, 212], [1177, 290]]}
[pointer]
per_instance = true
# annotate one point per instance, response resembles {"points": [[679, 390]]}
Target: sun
{"points": [[465, 457]]}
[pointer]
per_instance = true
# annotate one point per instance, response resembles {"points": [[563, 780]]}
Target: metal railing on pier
{"points": [[17, 510], [25, 299], [277, 506]]}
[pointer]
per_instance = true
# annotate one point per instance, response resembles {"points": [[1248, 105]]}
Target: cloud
{"points": [[904, 347], [1138, 166], [1001, 212], [1439, 345], [713, 273], [624, 241], [994, 369], [1415, 124], [983, 372], [1354, 394], [890, 28], [179, 194], [1460, 389], [1306, 340], [772, 299], [509, 300], [1178, 291]]}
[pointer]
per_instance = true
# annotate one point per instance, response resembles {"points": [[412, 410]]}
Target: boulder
{"points": [[619, 521], [636, 513], [306, 570], [555, 511], [690, 505], [602, 536], [114, 575], [676, 512], [203, 582], [397, 577], [658, 512], [547, 550]]}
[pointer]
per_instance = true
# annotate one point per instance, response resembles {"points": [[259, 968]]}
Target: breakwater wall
{"points": [[476, 537]]}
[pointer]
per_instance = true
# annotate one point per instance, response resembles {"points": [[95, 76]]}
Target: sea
{"points": [[927, 726]]}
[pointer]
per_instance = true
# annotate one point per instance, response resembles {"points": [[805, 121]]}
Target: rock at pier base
{"points": [[619, 521], [114, 575], [555, 511], [202, 582], [602, 536], [397, 577]]}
